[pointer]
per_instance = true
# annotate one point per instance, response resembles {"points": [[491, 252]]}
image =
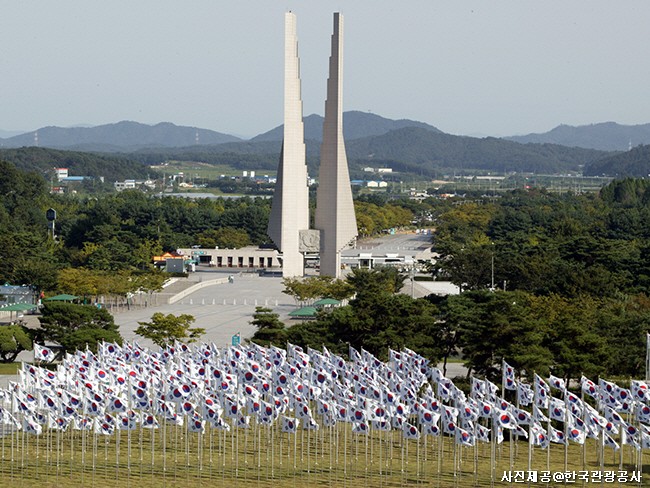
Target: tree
{"points": [[76, 327], [377, 280], [165, 329], [497, 325], [14, 339], [622, 326], [377, 319], [265, 318], [468, 267], [571, 335], [305, 290], [270, 329], [91, 283], [225, 237], [339, 290]]}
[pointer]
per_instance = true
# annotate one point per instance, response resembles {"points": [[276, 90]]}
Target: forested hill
{"points": [[606, 136], [409, 150], [431, 150], [42, 160], [355, 126], [417, 150], [125, 135], [635, 162]]}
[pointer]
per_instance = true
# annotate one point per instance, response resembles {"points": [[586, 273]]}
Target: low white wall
{"points": [[198, 286]]}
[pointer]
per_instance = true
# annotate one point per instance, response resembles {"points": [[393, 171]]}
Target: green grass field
{"points": [[9, 368], [194, 170], [259, 457]]}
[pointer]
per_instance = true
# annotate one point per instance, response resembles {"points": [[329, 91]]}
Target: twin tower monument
{"points": [[335, 221]]}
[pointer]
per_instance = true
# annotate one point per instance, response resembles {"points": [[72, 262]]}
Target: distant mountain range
{"points": [[129, 136], [606, 136], [371, 140], [122, 136], [410, 150], [355, 126]]}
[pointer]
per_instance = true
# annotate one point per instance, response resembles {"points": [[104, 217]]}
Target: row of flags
{"points": [[201, 386]]}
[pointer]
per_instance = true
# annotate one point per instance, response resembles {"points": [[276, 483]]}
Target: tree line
{"points": [[565, 336], [121, 232], [551, 283]]}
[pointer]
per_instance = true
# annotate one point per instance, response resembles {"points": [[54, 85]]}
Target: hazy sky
{"points": [[498, 67]]}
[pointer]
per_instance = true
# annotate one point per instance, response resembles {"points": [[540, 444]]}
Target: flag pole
{"points": [[647, 357]]}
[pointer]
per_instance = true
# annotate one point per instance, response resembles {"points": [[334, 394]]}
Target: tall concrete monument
{"points": [[335, 216], [290, 207], [336, 224]]}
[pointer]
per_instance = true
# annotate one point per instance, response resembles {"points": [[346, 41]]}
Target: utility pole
{"points": [[647, 357], [492, 269], [492, 281]]}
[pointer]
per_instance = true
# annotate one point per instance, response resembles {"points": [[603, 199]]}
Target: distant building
{"points": [[249, 257], [133, 184], [417, 195], [75, 179], [61, 173], [124, 185], [369, 184], [369, 169]]}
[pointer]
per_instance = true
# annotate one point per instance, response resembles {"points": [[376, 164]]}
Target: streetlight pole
{"points": [[492, 270]]}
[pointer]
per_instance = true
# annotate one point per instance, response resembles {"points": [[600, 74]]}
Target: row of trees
{"points": [[551, 283], [120, 233], [566, 336], [543, 243], [559, 257]]}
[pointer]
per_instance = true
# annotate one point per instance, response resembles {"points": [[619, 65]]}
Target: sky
{"points": [[484, 67]]}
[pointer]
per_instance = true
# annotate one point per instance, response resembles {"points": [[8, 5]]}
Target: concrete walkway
{"points": [[222, 308]]}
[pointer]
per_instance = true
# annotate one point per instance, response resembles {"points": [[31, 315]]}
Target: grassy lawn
{"points": [[9, 368], [194, 169], [261, 457]]}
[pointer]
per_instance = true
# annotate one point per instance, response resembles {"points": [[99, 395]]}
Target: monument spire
{"points": [[290, 207], [335, 217]]}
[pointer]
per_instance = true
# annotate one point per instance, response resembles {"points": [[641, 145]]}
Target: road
{"points": [[395, 243]]}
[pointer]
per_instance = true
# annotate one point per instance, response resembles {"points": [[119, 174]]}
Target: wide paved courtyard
{"points": [[223, 310]]}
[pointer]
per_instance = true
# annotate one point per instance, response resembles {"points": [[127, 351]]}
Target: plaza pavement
{"points": [[226, 309], [222, 309]]}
